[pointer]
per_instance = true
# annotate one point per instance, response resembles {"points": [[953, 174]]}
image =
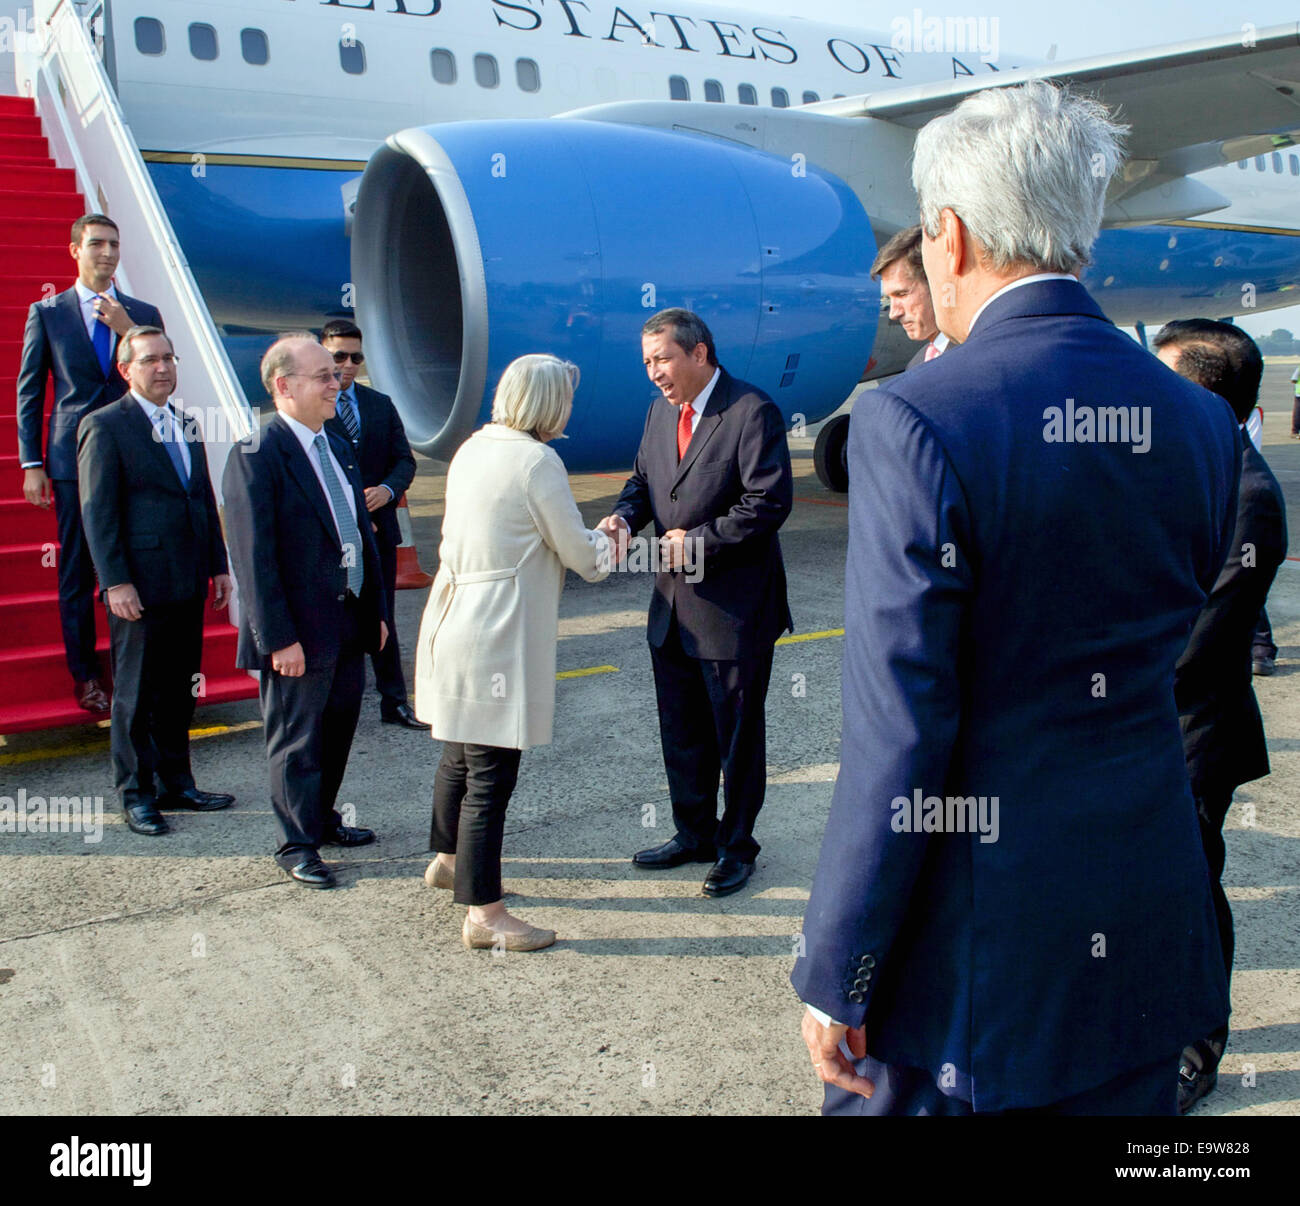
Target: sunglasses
{"points": [[342, 357]]}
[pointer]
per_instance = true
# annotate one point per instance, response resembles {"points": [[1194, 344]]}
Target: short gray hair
{"points": [[125, 350], [281, 357], [688, 328], [535, 394], [1025, 169]]}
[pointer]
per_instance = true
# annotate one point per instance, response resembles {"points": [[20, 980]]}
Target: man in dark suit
{"points": [[902, 281], [72, 335], [713, 473], [1223, 733], [369, 421], [311, 598], [154, 535], [1011, 910]]}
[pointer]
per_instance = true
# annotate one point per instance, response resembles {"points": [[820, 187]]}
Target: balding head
{"points": [[300, 377]]}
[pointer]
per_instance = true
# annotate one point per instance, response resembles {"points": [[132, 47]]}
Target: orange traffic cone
{"points": [[409, 574]]}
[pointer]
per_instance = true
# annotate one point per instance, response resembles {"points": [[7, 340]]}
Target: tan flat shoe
{"points": [[437, 876], [482, 937]]}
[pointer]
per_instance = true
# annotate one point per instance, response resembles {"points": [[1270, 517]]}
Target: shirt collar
{"points": [[85, 295], [1024, 280], [701, 400], [940, 342], [150, 408], [304, 434]]}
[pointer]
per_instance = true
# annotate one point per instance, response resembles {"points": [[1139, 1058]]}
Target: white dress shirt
{"points": [[88, 315], [701, 400], [307, 438], [161, 417]]}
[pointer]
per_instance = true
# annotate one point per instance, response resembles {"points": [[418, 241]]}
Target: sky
{"points": [[1081, 31]]}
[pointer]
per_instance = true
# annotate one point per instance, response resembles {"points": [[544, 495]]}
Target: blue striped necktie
{"points": [[167, 430], [351, 537], [348, 413]]}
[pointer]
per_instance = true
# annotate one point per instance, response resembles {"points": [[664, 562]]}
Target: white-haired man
{"points": [[1011, 910]]}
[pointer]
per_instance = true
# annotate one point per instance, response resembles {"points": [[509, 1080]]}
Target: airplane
{"points": [[477, 179]]}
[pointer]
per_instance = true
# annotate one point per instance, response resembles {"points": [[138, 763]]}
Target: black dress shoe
{"points": [[345, 835], [402, 714], [673, 854], [1262, 665], [144, 818], [1193, 1084], [726, 876], [195, 800], [312, 873]]}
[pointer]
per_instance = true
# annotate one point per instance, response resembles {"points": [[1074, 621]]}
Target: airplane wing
{"points": [[1191, 106]]}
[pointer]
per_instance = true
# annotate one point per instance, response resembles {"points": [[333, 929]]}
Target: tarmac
{"points": [[188, 975]]}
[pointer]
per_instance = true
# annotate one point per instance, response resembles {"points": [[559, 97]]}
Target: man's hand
{"points": [[828, 1060], [223, 588], [37, 489], [112, 313], [383, 634], [376, 497], [290, 661], [124, 601], [672, 549], [615, 527]]}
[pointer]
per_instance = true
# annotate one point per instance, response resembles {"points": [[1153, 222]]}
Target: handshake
{"points": [[672, 551]]}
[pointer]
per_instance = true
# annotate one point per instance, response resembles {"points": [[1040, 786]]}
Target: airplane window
{"points": [[713, 91], [678, 88], [203, 42], [485, 71], [352, 56], [443, 63], [1241, 163], [747, 93], [149, 35], [1277, 162], [810, 98], [1295, 165], [253, 43], [527, 75], [1259, 163], [780, 98]]}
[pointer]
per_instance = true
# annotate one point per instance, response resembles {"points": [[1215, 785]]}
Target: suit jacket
{"points": [[55, 341], [733, 489], [1223, 734], [1014, 608], [142, 526], [286, 553], [383, 453]]}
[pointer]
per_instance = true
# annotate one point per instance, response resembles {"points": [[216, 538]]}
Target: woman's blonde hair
{"points": [[535, 394]]}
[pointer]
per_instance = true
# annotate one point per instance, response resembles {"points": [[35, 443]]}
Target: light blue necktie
{"points": [[166, 431], [347, 525]]}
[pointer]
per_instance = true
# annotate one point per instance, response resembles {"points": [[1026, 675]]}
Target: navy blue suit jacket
{"points": [[383, 454], [285, 551], [55, 341], [1014, 609], [732, 490]]}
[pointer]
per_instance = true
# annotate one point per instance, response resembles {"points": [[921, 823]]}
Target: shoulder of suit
{"points": [[374, 395]]}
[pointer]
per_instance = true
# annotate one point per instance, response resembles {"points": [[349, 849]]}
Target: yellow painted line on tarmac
{"points": [[587, 671], [799, 637], [81, 748]]}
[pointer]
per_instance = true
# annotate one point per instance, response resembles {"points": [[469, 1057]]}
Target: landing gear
{"points": [[829, 454]]}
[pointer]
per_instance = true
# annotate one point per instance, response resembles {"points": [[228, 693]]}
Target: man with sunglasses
{"points": [[368, 420]]}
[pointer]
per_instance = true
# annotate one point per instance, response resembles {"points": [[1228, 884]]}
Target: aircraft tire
{"points": [[829, 455]]}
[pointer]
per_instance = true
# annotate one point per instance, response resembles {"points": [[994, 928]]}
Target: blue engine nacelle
{"points": [[478, 242]]}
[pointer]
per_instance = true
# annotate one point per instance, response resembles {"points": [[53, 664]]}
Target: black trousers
{"points": [[712, 720], [155, 659], [1295, 416], [310, 722], [76, 584], [1262, 641], [1211, 809], [389, 680], [471, 790], [1149, 1091]]}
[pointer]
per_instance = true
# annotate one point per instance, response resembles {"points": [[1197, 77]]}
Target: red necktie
{"points": [[931, 351], [684, 429]]}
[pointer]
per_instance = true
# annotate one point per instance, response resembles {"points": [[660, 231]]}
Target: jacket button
{"points": [[861, 984], [868, 961], [673, 496], [340, 598], [856, 997]]}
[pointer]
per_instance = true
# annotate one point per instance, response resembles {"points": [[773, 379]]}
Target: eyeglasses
{"points": [[342, 357], [319, 378], [150, 361]]}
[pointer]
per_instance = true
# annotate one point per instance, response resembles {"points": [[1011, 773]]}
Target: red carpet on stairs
{"points": [[38, 204]]}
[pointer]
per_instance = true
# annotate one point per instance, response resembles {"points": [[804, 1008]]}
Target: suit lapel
{"points": [[708, 424], [144, 431], [68, 306], [300, 469]]}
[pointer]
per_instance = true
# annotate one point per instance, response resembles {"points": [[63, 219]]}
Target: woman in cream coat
{"points": [[485, 664]]}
